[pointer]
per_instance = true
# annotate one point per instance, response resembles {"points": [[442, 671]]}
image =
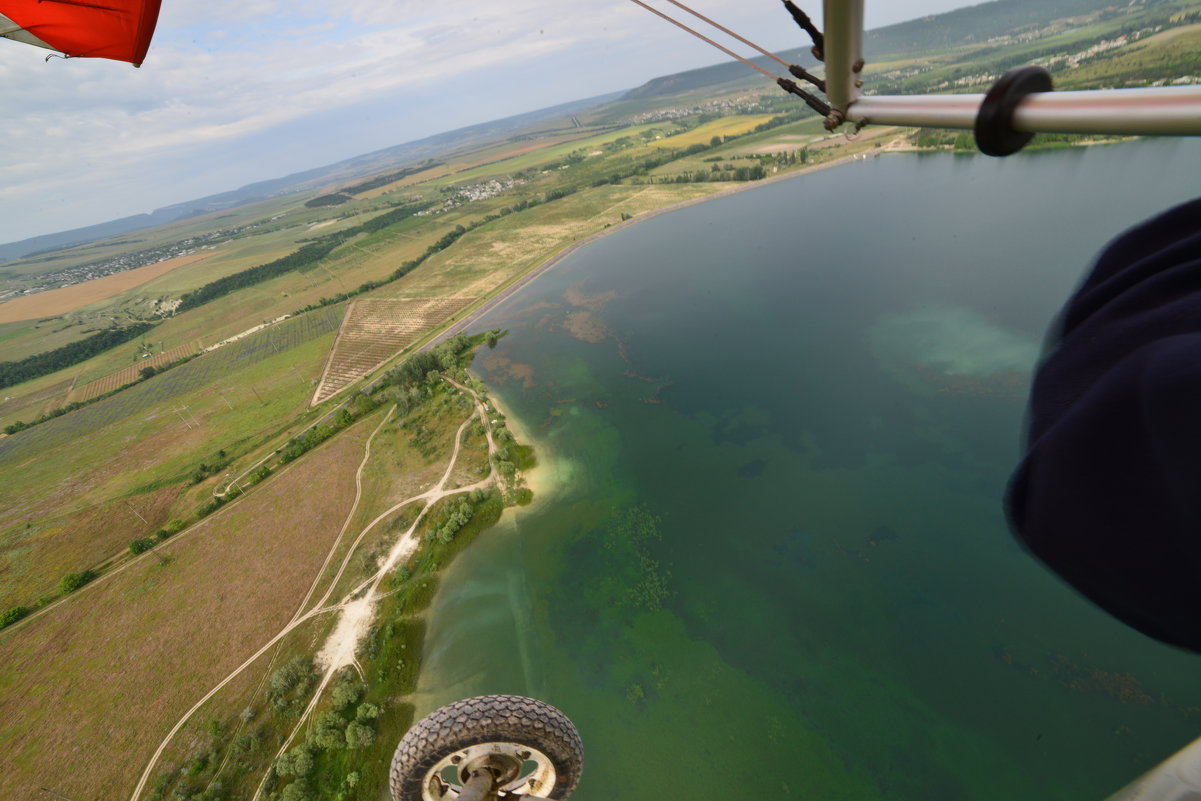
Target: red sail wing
{"points": [[116, 29]]}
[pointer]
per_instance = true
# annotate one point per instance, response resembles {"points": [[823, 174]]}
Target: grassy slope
{"points": [[160, 635]]}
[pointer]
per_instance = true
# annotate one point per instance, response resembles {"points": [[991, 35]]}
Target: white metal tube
{"points": [[1154, 111], [843, 22], [920, 111], [1162, 111]]}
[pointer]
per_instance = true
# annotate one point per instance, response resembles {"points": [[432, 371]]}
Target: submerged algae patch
{"points": [[956, 341]]}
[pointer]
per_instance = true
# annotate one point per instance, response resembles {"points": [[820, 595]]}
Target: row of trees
{"points": [[347, 724], [443, 242], [303, 257], [728, 173], [51, 361], [390, 178], [336, 199]]}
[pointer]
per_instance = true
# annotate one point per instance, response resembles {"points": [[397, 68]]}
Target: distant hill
{"points": [[978, 23], [962, 26], [388, 158]]}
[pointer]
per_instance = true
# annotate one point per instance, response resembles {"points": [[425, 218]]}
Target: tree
{"points": [[329, 731], [13, 615], [298, 762], [715, 141], [346, 694], [359, 735], [298, 790], [290, 679], [50, 361], [367, 711]]}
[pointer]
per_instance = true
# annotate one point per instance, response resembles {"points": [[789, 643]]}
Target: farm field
{"points": [[702, 134], [534, 155], [489, 258], [38, 400], [140, 441], [130, 374], [374, 331], [60, 301], [175, 383]]}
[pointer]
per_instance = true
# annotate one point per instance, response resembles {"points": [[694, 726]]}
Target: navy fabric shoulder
{"points": [[1108, 494]]}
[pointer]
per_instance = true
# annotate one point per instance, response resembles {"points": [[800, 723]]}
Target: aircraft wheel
{"points": [[531, 749]]}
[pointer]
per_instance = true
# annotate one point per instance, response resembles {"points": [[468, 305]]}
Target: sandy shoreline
{"points": [[543, 478]]}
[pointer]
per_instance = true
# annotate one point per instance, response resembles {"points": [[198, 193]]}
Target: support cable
{"points": [[797, 72], [787, 85], [731, 33], [704, 38]]}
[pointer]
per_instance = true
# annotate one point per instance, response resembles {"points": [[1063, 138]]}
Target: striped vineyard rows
{"points": [[377, 329], [128, 375], [35, 403], [186, 378]]}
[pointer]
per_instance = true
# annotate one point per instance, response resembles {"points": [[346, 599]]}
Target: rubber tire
{"points": [[483, 719]]}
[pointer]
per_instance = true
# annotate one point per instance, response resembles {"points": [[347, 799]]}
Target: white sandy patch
{"points": [[352, 625], [355, 619], [550, 474]]}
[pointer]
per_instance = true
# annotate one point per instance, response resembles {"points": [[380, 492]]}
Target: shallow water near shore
{"points": [[773, 561]]}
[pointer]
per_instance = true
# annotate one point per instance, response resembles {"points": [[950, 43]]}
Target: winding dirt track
{"points": [[339, 649]]}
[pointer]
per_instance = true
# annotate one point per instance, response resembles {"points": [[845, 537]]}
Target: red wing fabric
{"points": [[117, 29]]}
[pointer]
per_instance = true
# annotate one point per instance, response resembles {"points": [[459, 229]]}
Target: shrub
{"points": [[289, 681], [13, 615], [141, 545], [73, 581]]}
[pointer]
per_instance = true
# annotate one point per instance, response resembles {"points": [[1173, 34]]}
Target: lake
{"points": [[771, 558]]}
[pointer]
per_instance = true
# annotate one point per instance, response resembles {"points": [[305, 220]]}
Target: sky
{"points": [[238, 91]]}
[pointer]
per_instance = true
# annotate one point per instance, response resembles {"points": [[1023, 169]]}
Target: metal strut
{"points": [[810, 100], [802, 19]]}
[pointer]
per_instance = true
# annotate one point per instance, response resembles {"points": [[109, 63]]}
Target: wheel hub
{"points": [[517, 769]]}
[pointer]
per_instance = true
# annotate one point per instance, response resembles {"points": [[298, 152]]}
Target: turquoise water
{"points": [[773, 561]]}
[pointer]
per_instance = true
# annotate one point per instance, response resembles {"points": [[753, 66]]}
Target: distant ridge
{"points": [[961, 26], [391, 157]]}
